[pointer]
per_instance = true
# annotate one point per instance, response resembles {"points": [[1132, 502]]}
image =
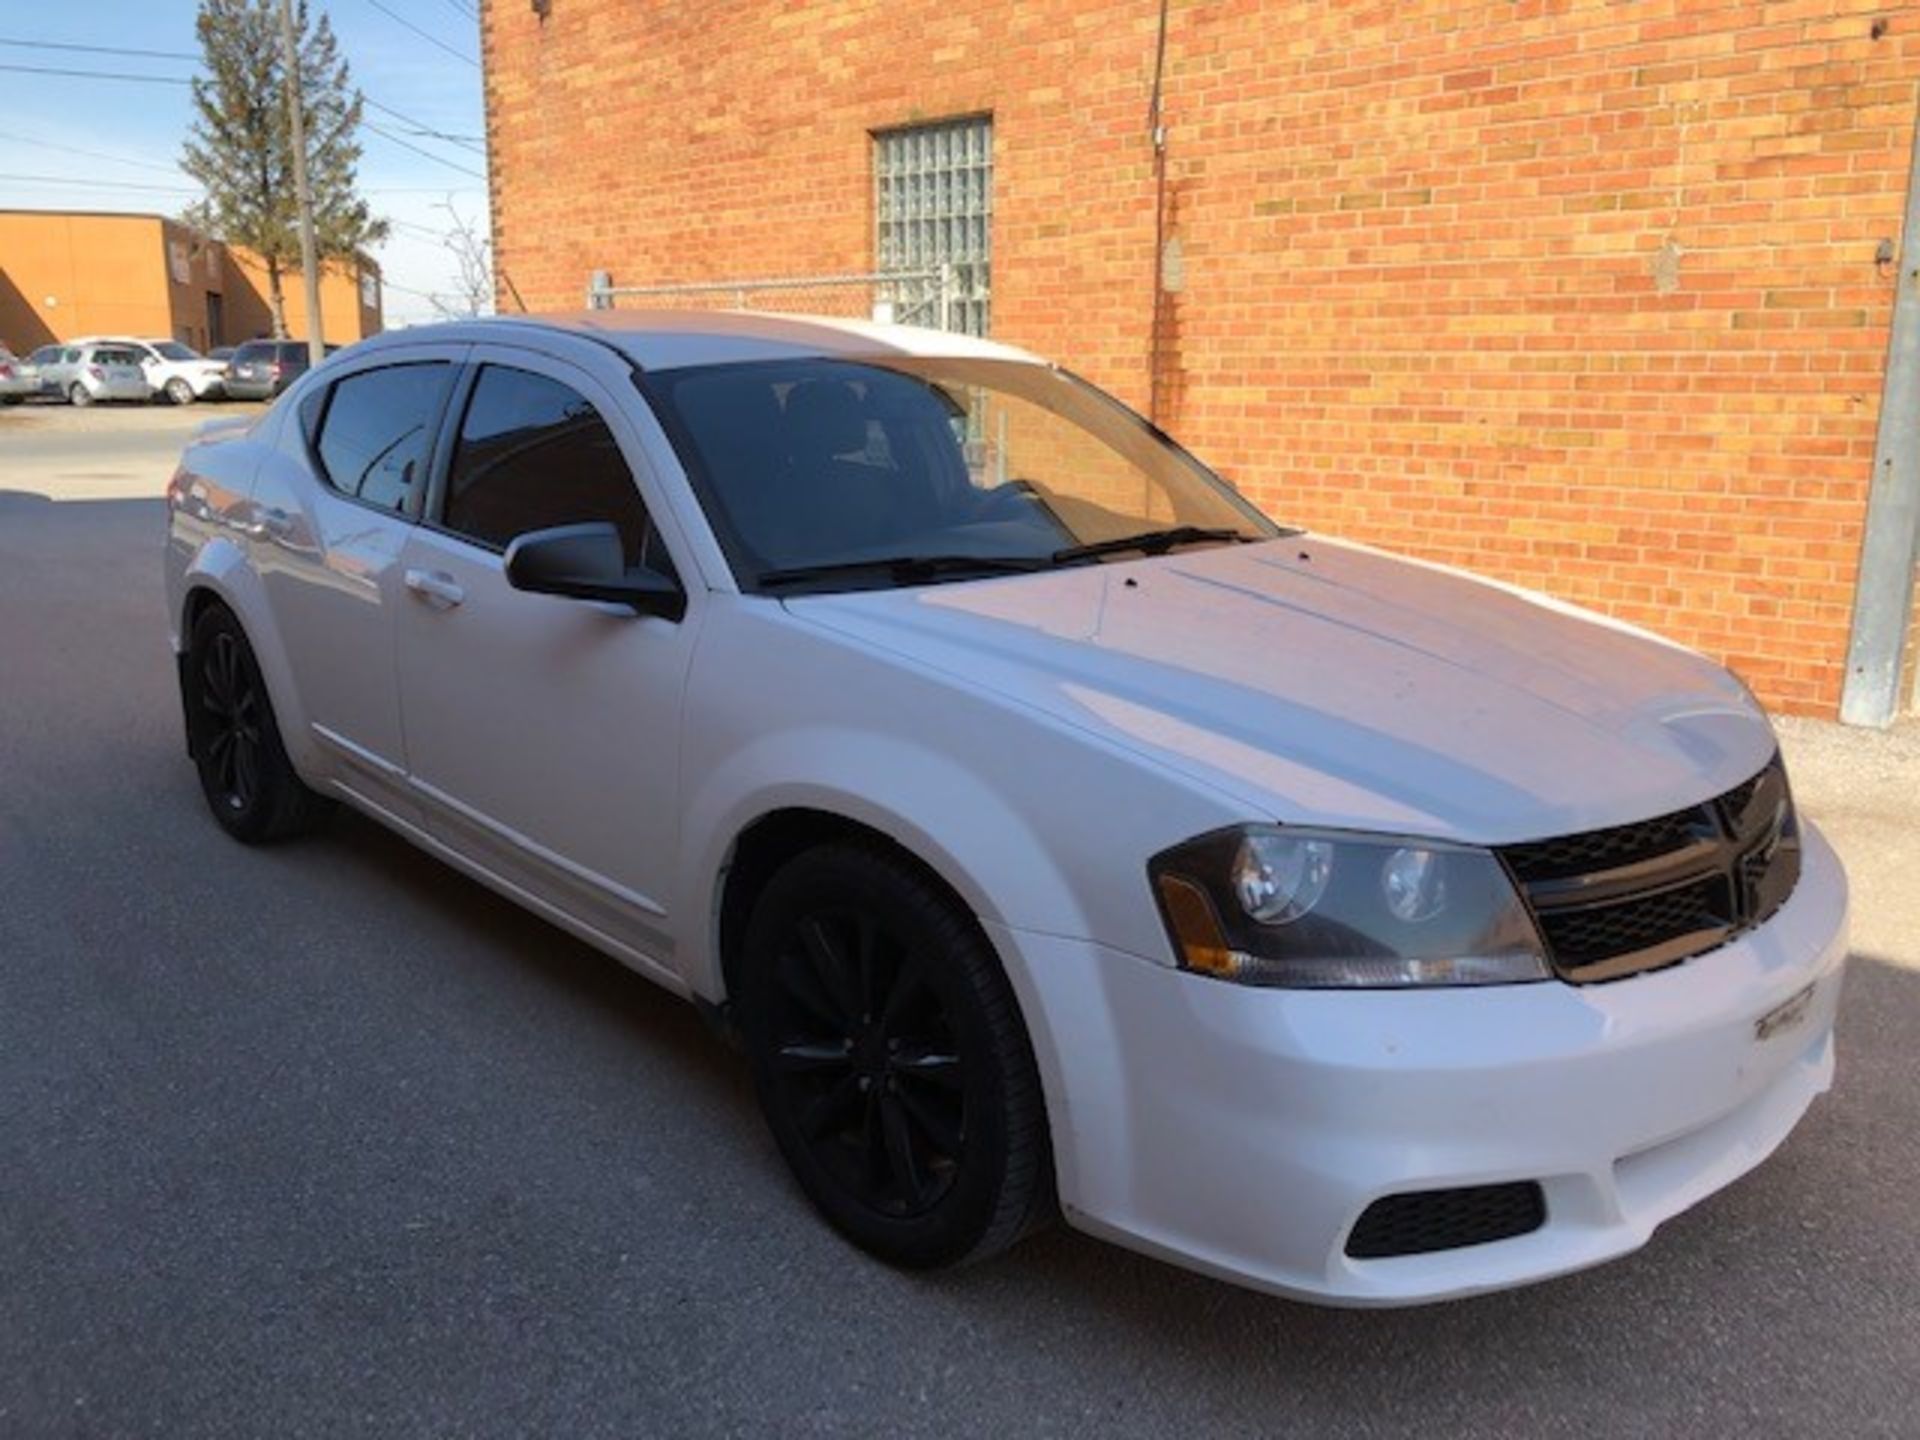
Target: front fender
{"points": [[1037, 825], [947, 816]]}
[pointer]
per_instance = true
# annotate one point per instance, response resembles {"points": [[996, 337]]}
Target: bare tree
{"points": [[472, 255]]}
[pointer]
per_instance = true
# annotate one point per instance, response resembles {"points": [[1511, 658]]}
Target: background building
{"points": [[67, 274], [1591, 296]]}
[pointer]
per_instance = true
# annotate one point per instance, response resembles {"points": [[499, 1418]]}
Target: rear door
{"points": [[332, 510], [543, 733]]}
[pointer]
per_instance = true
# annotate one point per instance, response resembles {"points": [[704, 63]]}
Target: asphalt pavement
{"points": [[325, 1139]]}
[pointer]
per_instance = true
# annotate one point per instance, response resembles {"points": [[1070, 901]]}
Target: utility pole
{"points": [[303, 197]]}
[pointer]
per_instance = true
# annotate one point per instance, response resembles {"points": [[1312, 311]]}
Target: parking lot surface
{"points": [[326, 1139]]}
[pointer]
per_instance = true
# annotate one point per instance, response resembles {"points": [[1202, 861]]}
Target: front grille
{"points": [[1600, 932], [1602, 849], [1423, 1221], [1630, 898]]}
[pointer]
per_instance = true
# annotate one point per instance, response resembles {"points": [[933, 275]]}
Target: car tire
{"points": [[890, 1060], [78, 397], [249, 783], [179, 392]]}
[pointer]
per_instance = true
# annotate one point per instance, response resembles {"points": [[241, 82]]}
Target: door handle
{"points": [[436, 587]]}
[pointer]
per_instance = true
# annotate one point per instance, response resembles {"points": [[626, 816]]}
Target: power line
{"points": [[424, 35], [392, 138], [422, 127], [89, 154], [99, 49], [409, 290], [98, 184], [426, 231], [460, 9], [96, 74]]}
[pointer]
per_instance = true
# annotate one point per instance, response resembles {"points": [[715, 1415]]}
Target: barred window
{"points": [[933, 204]]}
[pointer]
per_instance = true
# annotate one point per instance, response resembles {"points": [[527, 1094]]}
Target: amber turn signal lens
{"points": [[1190, 915]]}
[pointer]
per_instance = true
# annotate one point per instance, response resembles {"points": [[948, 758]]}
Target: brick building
{"points": [[1589, 295], [64, 274]]}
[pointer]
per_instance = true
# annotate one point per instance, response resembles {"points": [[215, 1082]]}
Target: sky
{"points": [[417, 57]]}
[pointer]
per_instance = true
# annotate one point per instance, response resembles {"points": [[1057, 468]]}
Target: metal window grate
{"points": [[933, 207]]}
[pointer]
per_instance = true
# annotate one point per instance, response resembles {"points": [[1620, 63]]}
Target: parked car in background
{"points": [[105, 371], [52, 367], [222, 353], [17, 379], [1045, 820], [261, 369], [175, 372]]}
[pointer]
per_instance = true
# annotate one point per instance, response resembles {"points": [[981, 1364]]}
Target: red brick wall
{"points": [[1577, 293]]}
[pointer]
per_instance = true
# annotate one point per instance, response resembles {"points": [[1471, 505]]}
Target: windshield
{"points": [[174, 350], [821, 472]]}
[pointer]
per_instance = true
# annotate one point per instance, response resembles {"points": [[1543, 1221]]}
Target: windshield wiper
{"points": [[1147, 542], [907, 569]]}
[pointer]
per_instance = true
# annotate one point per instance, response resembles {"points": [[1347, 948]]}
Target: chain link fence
{"points": [[902, 297]]}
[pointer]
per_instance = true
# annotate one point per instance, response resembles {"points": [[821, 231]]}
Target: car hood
{"points": [[1317, 681]]}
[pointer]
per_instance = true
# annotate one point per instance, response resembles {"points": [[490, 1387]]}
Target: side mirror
{"points": [[587, 562]]}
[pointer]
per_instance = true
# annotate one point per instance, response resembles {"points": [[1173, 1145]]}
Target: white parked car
{"points": [[175, 372], [1049, 823], [105, 370]]}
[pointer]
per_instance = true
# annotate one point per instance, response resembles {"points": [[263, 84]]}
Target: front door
{"points": [[543, 734]]}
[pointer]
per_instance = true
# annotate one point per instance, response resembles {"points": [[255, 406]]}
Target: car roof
{"points": [[674, 339]]}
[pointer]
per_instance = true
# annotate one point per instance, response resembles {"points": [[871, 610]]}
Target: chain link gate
{"points": [[906, 297]]}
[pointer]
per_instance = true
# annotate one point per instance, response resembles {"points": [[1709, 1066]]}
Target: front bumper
{"points": [[1242, 1132]]}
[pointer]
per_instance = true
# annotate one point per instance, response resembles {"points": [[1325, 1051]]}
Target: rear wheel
{"points": [[179, 391], [77, 394], [250, 785], [890, 1060]]}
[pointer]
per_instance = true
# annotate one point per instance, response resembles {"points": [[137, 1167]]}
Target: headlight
{"points": [[1321, 909]]}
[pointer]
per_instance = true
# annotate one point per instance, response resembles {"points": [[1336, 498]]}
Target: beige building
{"points": [[72, 273]]}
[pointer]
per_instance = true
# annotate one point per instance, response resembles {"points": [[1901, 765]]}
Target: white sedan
{"points": [[1055, 830]]}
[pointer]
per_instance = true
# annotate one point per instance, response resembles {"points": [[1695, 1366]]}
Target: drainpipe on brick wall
{"points": [[1157, 131], [1883, 590]]}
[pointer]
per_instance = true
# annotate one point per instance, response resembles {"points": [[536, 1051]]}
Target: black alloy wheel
{"points": [[871, 1068], [231, 727], [890, 1060], [249, 782]]}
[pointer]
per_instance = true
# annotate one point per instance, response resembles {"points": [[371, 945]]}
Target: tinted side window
{"points": [[534, 453], [378, 429]]}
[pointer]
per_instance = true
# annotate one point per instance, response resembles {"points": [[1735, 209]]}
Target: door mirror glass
{"points": [[587, 562]]}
